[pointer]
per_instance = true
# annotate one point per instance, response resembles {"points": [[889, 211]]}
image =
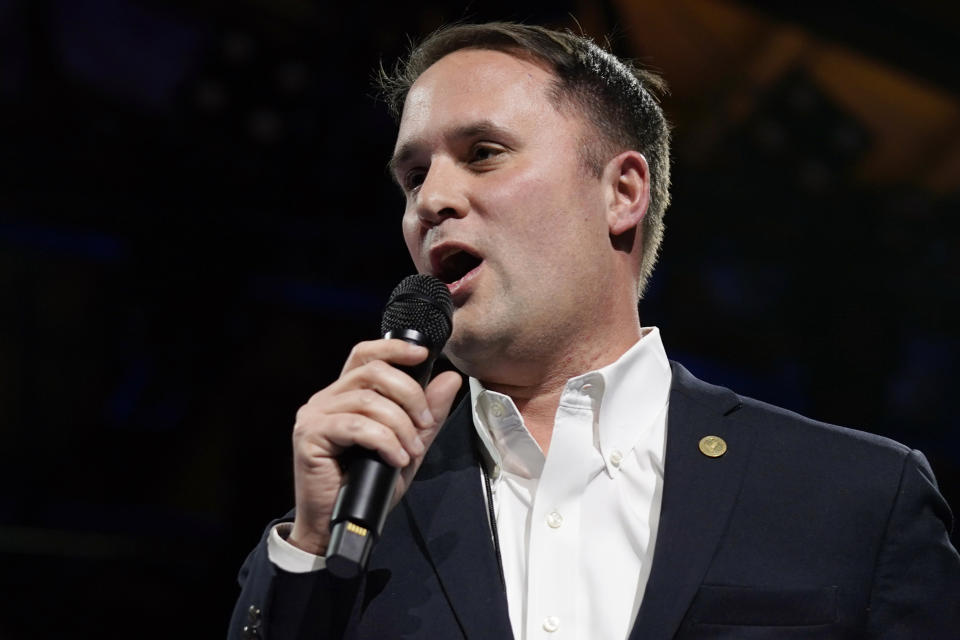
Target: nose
{"points": [[441, 194]]}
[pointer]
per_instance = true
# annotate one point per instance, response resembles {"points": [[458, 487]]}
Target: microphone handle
{"points": [[364, 498]]}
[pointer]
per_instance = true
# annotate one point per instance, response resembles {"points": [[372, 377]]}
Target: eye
{"points": [[413, 179], [485, 151]]}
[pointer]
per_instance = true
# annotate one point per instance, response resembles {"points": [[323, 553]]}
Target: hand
{"points": [[376, 406]]}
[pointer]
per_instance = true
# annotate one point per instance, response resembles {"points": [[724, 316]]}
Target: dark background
{"points": [[196, 224]]}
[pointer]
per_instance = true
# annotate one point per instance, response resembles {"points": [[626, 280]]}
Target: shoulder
{"points": [[827, 472], [787, 435]]}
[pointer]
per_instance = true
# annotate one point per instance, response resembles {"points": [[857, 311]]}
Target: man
{"points": [[628, 498]]}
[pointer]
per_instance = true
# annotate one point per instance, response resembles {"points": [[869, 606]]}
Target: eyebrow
{"points": [[470, 130]]}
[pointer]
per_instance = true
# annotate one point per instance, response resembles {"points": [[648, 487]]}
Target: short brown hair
{"points": [[617, 97]]}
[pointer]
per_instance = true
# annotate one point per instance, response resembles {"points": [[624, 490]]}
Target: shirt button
{"points": [[496, 409], [551, 623], [616, 458], [554, 520], [496, 472]]}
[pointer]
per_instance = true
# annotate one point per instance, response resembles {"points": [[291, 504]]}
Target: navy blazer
{"points": [[800, 530]]}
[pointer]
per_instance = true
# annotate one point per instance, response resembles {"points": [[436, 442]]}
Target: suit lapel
{"points": [[698, 496], [446, 504]]}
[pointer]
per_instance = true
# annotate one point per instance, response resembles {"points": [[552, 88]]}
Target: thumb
{"points": [[440, 394]]}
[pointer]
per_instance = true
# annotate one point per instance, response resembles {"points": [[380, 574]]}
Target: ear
{"points": [[627, 177]]}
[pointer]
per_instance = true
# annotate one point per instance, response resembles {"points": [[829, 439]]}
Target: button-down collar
{"points": [[626, 397]]}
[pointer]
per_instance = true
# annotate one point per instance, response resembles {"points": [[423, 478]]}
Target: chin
{"points": [[459, 352], [469, 351]]}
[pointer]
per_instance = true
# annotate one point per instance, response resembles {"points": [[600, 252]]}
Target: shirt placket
{"points": [[555, 529]]}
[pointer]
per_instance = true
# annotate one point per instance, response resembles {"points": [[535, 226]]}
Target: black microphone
{"points": [[419, 311]]}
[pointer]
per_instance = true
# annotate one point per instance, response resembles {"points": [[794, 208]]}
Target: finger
{"points": [[345, 430], [375, 406], [391, 383], [389, 350], [440, 394]]}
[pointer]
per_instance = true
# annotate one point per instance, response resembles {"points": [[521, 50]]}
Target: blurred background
{"points": [[196, 224]]}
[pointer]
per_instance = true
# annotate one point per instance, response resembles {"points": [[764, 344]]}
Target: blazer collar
{"points": [[447, 505], [698, 496]]}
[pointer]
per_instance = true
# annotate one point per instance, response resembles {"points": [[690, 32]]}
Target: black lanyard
{"points": [[491, 515]]}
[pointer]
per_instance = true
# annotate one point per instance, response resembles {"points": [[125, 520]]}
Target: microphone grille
{"points": [[420, 302]]}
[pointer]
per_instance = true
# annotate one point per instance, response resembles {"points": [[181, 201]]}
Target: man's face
{"points": [[499, 206]]}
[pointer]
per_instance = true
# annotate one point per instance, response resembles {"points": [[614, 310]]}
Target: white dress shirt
{"points": [[577, 527]]}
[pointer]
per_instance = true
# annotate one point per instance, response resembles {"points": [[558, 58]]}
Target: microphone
{"points": [[419, 311]]}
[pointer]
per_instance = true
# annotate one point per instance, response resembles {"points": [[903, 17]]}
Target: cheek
{"points": [[530, 205], [548, 207], [411, 235]]}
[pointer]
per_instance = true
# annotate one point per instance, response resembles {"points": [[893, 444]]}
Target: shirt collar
{"points": [[627, 396]]}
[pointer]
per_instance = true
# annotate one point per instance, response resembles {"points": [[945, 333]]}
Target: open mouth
{"points": [[456, 265]]}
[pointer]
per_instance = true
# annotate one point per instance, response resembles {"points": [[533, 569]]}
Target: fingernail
{"points": [[418, 447], [426, 418]]}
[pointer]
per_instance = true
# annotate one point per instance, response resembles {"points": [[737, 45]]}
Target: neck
{"points": [[536, 386]]}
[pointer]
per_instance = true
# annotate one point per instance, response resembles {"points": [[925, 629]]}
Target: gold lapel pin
{"points": [[713, 446]]}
